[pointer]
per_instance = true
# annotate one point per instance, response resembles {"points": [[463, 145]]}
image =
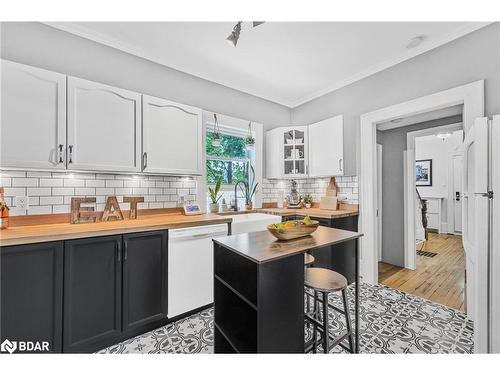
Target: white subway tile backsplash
{"points": [[51, 182], [24, 181], [31, 192], [85, 191], [347, 186], [95, 183], [51, 192], [39, 210], [62, 191], [72, 182], [51, 200]]}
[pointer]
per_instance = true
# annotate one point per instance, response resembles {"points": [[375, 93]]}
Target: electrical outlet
{"points": [[21, 203]]}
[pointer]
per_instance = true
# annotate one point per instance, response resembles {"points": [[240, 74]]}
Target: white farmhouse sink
{"points": [[245, 223]]}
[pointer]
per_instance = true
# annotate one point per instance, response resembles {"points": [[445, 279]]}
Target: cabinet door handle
{"points": [[340, 164], [61, 154], [145, 160], [119, 251], [70, 160], [125, 251]]}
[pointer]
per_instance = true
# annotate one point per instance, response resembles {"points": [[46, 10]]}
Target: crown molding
{"points": [[428, 45]]}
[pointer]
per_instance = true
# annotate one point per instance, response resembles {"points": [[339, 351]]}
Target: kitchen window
{"points": [[227, 161]]}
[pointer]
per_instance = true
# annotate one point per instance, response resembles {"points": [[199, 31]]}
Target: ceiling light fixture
{"points": [[416, 41], [232, 39]]}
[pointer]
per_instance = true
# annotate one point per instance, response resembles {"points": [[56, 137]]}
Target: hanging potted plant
{"points": [[216, 142], [249, 139], [249, 186], [215, 196]]}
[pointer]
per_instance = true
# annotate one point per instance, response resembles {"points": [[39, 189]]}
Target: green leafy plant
{"points": [[249, 185], [249, 140], [308, 199], [214, 193]]}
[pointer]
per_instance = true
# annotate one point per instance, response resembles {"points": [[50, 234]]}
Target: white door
{"points": [[294, 143], [326, 147], [495, 248], [172, 137], [104, 127], [457, 192], [33, 117], [475, 220]]}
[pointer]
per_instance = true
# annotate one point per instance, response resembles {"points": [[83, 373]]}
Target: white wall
{"points": [[432, 147]]}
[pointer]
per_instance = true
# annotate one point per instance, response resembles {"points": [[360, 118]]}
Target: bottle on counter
{"points": [[4, 211]]}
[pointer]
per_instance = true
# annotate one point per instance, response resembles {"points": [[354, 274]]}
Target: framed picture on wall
{"points": [[423, 170]]}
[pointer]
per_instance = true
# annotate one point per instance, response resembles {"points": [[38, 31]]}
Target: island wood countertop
{"points": [[66, 231], [314, 212], [262, 247]]}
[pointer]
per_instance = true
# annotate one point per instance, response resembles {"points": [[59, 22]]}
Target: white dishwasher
{"points": [[191, 267]]}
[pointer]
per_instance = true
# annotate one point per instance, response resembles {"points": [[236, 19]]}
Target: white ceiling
{"points": [[286, 62]]}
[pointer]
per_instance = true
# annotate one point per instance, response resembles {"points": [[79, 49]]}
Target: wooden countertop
{"points": [[262, 247], [315, 212], [66, 231]]}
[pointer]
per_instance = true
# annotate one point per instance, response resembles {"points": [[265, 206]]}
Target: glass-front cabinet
{"points": [[287, 152]]}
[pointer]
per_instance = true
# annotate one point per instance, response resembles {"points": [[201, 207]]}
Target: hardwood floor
{"points": [[440, 279]]}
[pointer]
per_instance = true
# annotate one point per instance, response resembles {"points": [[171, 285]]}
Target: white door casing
{"points": [[472, 98], [33, 109], [379, 200], [172, 137], [326, 147], [104, 127]]}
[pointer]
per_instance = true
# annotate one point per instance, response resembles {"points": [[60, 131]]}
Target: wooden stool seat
{"points": [[324, 280], [308, 260]]}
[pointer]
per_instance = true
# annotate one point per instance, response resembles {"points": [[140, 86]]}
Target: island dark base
{"points": [[259, 308]]}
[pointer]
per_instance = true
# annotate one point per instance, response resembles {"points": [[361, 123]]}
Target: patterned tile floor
{"points": [[391, 322]]}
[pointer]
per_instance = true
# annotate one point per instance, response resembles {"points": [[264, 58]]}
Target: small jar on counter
{"points": [[4, 211]]}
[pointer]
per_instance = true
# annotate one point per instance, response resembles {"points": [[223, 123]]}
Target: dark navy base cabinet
{"points": [[339, 257], [31, 293], [85, 294]]}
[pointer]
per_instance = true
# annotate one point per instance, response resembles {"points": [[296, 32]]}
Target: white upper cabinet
{"points": [[326, 147], [104, 127], [33, 117], [274, 154], [287, 152], [316, 150], [172, 137]]}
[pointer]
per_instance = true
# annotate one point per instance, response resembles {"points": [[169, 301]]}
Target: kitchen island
{"points": [[259, 290]]}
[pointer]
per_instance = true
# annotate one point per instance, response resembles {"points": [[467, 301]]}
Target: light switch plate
{"points": [[21, 202]]}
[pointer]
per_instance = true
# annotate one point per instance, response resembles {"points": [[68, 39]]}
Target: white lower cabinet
{"points": [[33, 117], [172, 137], [104, 127]]}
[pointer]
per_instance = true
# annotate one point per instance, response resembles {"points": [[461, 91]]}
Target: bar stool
{"points": [[324, 281], [308, 260]]}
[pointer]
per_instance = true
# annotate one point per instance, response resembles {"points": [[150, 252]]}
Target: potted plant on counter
{"points": [[308, 200], [215, 196], [249, 186]]}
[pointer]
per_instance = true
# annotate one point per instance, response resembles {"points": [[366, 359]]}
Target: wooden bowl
{"points": [[286, 234]]}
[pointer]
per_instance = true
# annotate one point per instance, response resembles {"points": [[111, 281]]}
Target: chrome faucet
{"points": [[235, 206]]}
